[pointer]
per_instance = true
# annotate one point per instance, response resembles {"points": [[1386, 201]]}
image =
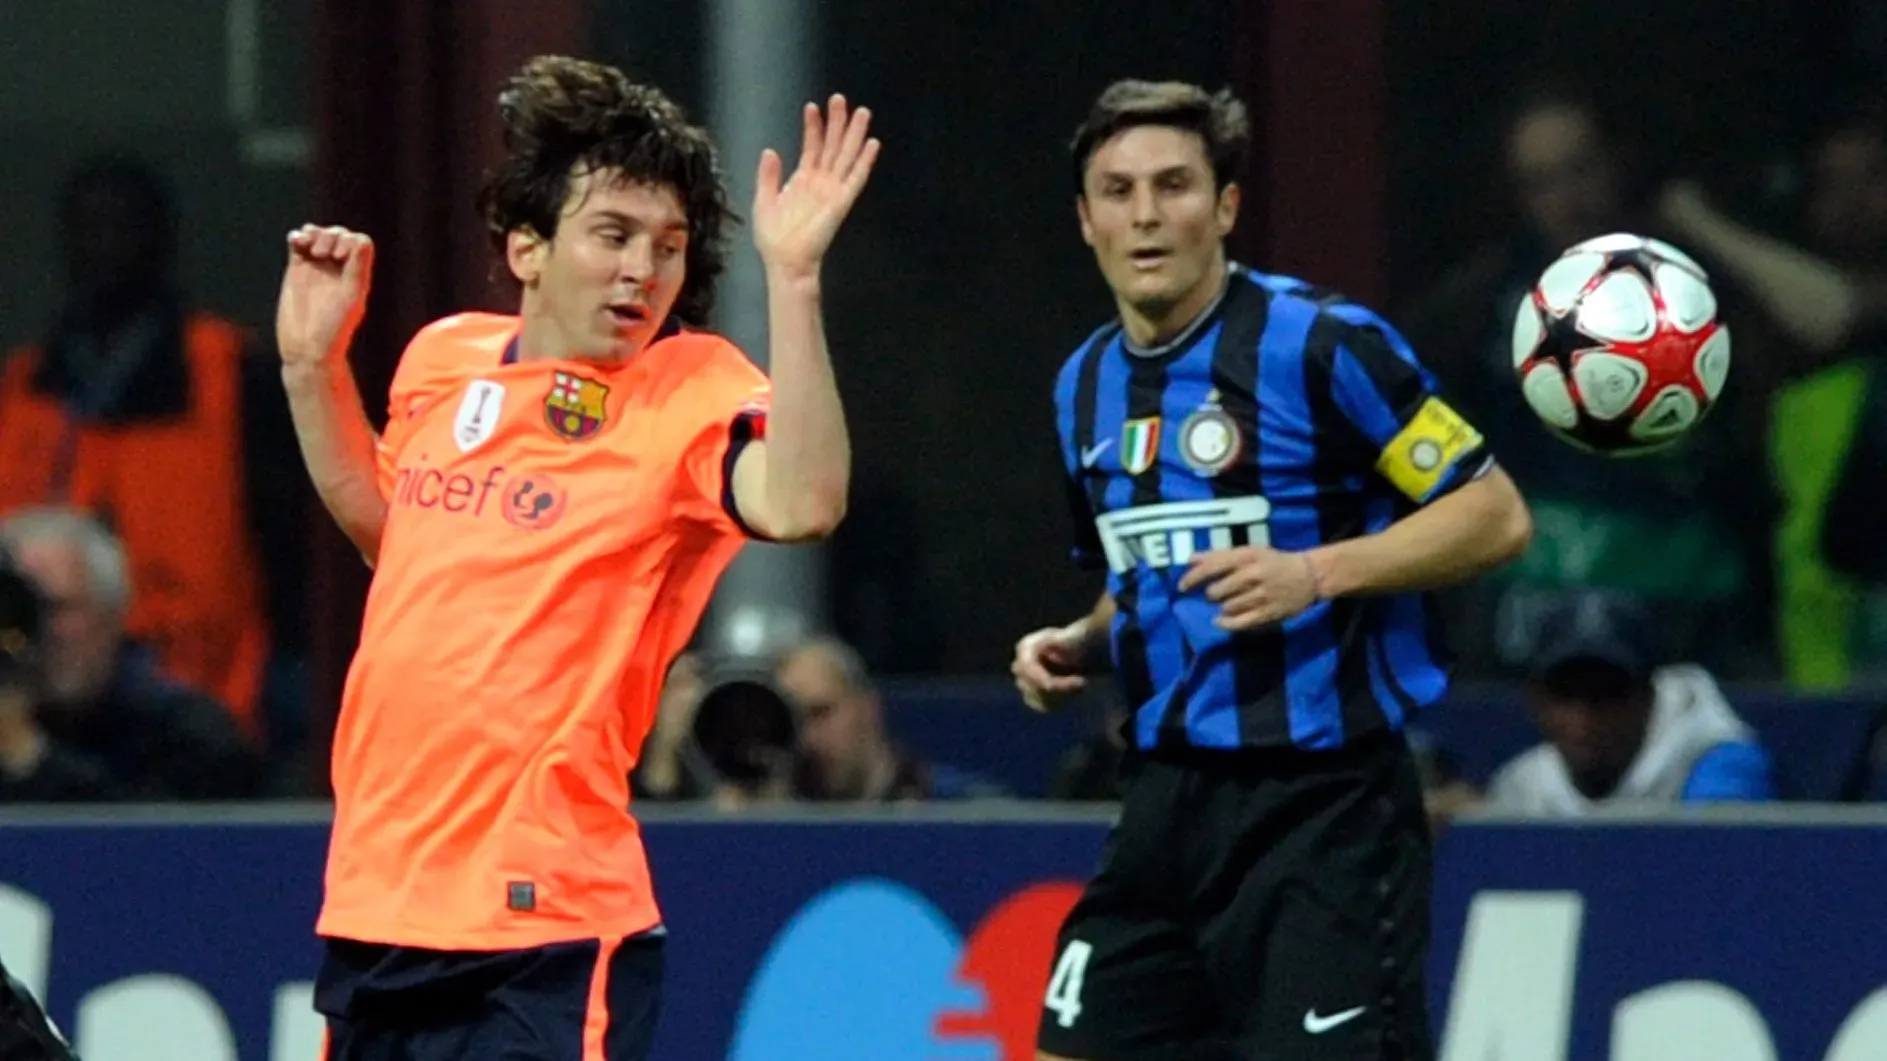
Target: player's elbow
{"points": [[813, 516], [1498, 513], [367, 542], [1517, 536], [364, 524], [1512, 525], [805, 512]]}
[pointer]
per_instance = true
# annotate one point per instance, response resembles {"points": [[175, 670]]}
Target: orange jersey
{"points": [[555, 530]]}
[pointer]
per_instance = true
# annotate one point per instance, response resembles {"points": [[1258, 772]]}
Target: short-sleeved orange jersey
{"points": [[555, 530]]}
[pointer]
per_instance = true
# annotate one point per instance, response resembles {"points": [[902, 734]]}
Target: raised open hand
{"points": [[795, 223]]}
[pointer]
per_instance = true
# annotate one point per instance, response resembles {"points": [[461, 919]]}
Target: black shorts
{"points": [[1265, 906], [589, 1000]]}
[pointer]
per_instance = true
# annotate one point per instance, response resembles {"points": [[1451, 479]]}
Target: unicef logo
{"points": [[534, 501]]}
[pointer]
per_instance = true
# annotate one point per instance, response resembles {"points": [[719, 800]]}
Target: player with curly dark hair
{"points": [[547, 512]]}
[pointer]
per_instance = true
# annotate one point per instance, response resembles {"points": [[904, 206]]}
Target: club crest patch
{"points": [[1209, 440], [575, 406]]}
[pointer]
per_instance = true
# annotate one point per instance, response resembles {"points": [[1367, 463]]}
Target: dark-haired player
{"points": [[1270, 480], [553, 498]]}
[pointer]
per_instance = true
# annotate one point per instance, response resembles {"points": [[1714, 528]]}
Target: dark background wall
{"points": [[962, 282]]}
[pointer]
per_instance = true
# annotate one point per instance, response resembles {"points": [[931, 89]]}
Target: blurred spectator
{"points": [[1825, 301], [1621, 729], [672, 767], [100, 692], [1444, 792], [1682, 528], [34, 768], [845, 752], [746, 734], [1567, 179], [159, 418]]}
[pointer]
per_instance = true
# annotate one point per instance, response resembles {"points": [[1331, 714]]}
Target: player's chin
{"points": [[616, 345], [1152, 292]]}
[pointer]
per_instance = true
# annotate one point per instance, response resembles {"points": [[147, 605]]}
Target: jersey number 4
{"points": [[1064, 984]]}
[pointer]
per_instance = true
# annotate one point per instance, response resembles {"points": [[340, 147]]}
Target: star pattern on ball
{"points": [[1564, 339], [1638, 260]]}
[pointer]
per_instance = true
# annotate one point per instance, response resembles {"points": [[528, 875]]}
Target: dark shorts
{"points": [[1265, 906], [590, 1000]]}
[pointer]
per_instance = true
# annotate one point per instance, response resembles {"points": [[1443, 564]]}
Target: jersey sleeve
{"points": [[1731, 772], [410, 392], [730, 408], [1415, 440], [1087, 551]]}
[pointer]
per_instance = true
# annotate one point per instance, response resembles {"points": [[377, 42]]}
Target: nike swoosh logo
{"points": [[1318, 1025], [1093, 453]]}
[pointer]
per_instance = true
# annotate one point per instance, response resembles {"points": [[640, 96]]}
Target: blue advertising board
{"points": [[918, 935], [1700, 938]]}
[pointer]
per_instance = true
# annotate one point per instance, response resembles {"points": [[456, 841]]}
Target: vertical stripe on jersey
{"points": [[1342, 464], [1164, 652], [1259, 660], [1389, 635], [1409, 657], [1211, 703], [1289, 451], [1074, 410], [1074, 423], [1074, 419], [1100, 395], [1356, 394], [1405, 668]]}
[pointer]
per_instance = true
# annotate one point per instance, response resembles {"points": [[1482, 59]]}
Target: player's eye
{"points": [[613, 236]]}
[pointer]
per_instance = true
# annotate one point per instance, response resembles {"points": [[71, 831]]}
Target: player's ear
{"points": [[1087, 223], [1226, 215], [524, 252]]}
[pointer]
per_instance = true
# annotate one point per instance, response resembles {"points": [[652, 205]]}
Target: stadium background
{"points": [[955, 292]]}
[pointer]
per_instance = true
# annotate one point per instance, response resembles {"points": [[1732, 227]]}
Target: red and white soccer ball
{"points": [[1618, 347]]}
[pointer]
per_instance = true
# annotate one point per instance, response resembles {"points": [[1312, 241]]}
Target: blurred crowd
{"points": [[153, 513], [1748, 541]]}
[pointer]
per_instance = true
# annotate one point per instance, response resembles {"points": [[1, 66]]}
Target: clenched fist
{"points": [[1047, 667], [324, 293]]}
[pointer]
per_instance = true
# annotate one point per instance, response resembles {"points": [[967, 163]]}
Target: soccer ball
{"points": [[1618, 348]]}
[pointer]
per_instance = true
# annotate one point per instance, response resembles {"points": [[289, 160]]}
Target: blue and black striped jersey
{"points": [[1285, 416]]}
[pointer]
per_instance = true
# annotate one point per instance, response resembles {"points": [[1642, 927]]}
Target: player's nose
{"points": [[1145, 208], [636, 264]]}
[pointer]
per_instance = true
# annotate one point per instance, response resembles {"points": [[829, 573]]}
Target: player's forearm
{"points": [[1816, 303], [1475, 529], [809, 453], [1092, 631], [337, 444]]}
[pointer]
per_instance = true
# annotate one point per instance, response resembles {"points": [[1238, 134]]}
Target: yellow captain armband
{"points": [[1421, 454]]}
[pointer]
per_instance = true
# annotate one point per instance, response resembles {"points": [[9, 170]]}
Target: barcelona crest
{"points": [[574, 406]]}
